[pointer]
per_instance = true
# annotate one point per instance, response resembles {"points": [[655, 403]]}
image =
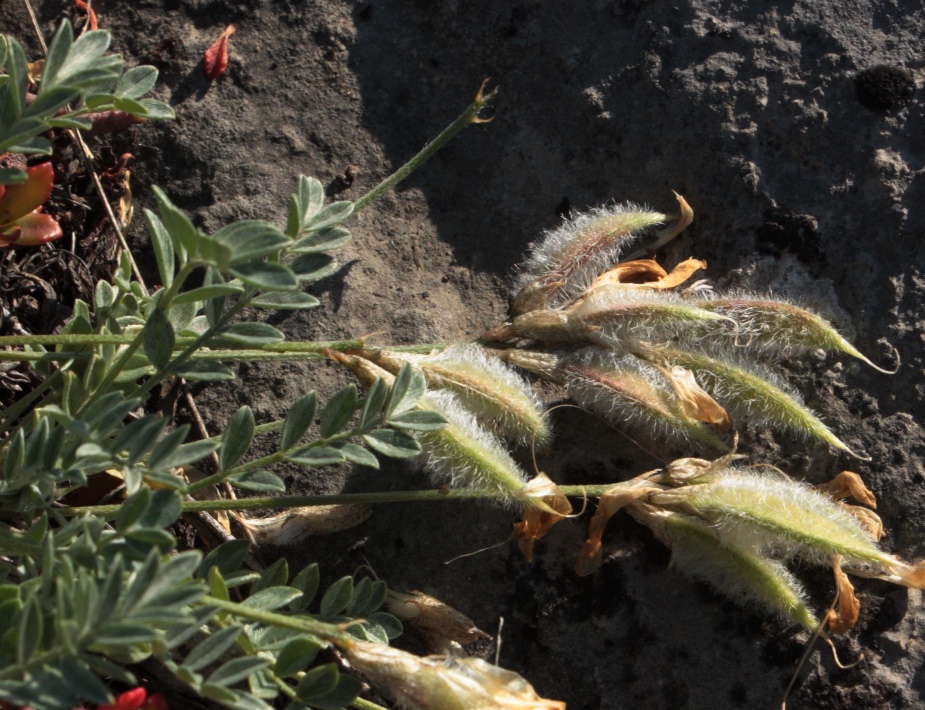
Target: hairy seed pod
{"points": [[568, 258], [786, 519], [743, 576], [781, 328], [498, 397], [464, 455], [631, 394], [617, 315], [750, 393]]}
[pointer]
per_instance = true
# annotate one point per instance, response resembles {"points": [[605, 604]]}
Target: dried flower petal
{"points": [[296, 524], [439, 623], [646, 273], [849, 608], [537, 521], [426, 683], [697, 404], [215, 61], [848, 484], [663, 236], [611, 502], [869, 519]]}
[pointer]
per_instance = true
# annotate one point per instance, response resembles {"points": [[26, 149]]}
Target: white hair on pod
{"points": [[631, 394], [464, 455], [750, 392], [624, 315], [786, 519], [745, 577], [492, 390], [776, 326], [579, 249]]}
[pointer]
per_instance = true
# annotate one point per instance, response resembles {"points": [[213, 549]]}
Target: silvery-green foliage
{"points": [[84, 597], [78, 73]]}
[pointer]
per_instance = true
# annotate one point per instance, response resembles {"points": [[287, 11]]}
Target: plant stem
{"points": [[361, 704], [268, 460], [468, 117], [328, 632], [295, 347], [264, 503]]}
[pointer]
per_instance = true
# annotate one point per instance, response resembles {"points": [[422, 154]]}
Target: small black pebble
{"points": [[883, 87]]}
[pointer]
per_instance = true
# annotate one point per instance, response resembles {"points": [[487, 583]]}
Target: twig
{"points": [[35, 26]]}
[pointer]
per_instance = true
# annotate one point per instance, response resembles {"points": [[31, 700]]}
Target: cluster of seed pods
{"points": [[654, 354]]}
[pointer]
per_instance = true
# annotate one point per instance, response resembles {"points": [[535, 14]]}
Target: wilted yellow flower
{"points": [[444, 683]]}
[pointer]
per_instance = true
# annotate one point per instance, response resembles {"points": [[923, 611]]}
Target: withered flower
{"points": [[448, 683]]}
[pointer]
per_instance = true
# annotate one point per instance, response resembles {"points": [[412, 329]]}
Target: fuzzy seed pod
{"points": [[787, 519], [498, 397], [631, 394], [568, 258], [777, 327], [443, 682], [463, 455], [750, 393], [616, 315], [741, 575]]}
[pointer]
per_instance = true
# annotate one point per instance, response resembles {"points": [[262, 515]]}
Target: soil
{"points": [[795, 129]]}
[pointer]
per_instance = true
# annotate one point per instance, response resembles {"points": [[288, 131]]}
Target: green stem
{"points": [[361, 704], [113, 372], [328, 632], [468, 117], [267, 460], [297, 347], [213, 331], [269, 502]]}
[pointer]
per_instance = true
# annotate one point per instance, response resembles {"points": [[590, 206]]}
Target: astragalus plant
{"points": [[94, 595]]}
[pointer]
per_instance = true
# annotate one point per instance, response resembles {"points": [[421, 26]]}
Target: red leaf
{"points": [[19, 200], [215, 61], [32, 230]]}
